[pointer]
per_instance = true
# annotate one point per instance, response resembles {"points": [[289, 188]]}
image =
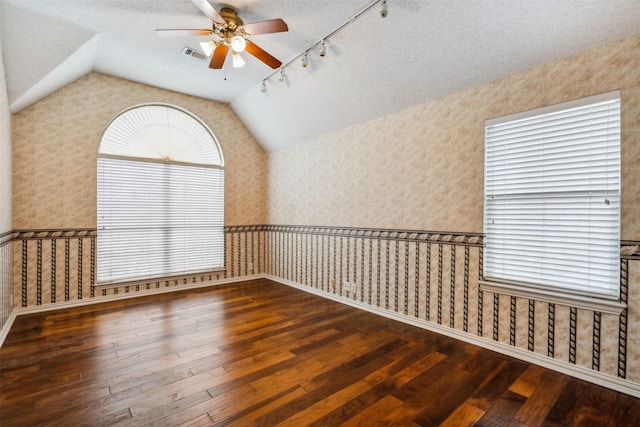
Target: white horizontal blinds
{"points": [[552, 197], [158, 218]]}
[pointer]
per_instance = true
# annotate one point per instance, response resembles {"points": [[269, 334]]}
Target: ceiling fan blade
{"points": [[218, 57], [262, 55], [208, 10], [183, 33], [266, 27]]}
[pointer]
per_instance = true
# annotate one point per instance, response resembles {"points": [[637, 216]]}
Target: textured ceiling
{"points": [[421, 51]]}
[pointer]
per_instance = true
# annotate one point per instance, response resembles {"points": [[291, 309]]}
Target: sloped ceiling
{"points": [[422, 50], [73, 56]]}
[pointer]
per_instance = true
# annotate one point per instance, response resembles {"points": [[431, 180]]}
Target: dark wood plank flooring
{"points": [[261, 353]]}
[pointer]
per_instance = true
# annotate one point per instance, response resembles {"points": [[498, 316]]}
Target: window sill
{"points": [[554, 297]]}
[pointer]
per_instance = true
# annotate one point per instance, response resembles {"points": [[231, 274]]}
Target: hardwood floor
{"points": [[261, 353]]}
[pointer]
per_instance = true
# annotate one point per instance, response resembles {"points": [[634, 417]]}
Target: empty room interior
{"points": [[354, 212]]}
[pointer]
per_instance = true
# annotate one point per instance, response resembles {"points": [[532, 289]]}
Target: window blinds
{"points": [[552, 197], [161, 131], [157, 219]]}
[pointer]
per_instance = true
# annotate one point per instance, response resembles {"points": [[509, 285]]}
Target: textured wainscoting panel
{"points": [[433, 277], [53, 266], [429, 277], [633, 320], [6, 278]]}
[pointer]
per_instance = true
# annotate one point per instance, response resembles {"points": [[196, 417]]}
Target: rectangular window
{"points": [[552, 198], [158, 219]]}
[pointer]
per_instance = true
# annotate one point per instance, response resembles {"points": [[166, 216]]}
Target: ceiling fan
{"points": [[233, 34]]}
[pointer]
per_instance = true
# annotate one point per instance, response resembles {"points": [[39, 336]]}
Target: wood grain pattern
{"points": [[261, 353]]}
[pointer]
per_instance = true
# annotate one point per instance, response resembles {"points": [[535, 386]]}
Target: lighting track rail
{"points": [[321, 44]]}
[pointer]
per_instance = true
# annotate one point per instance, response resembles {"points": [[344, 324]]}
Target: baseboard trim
{"points": [[7, 326], [19, 311], [595, 377]]}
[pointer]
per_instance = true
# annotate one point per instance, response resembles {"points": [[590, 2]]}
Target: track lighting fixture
{"points": [[207, 48], [322, 48], [263, 86], [321, 45], [384, 11]]}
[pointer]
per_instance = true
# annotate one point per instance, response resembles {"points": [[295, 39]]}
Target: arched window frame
{"points": [[160, 195]]}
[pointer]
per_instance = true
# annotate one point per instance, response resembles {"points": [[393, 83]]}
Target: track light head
{"points": [[305, 60], [322, 49], [263, 86], [384, 11], [282, 75]]}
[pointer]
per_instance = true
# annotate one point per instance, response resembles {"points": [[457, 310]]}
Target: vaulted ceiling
{"points": [[423, 50]]}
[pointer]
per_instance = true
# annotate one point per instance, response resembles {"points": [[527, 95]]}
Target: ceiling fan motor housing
{"points": [[232, 27], [231, 18]]}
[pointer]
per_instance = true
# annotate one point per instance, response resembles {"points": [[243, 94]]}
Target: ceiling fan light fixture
{"points": [[207, 48], [238, 43], [238, 62]]}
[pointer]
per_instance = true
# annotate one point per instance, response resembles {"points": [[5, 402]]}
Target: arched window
{"points": [[160, 195]]}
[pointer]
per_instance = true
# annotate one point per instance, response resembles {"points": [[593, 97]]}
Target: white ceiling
{"points": [[423, 50]]}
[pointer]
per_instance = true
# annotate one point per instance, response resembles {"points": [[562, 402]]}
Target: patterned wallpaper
{"points": [[6, 260], [418, 169], [56, 140], [422, 168], [5, 153]]}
